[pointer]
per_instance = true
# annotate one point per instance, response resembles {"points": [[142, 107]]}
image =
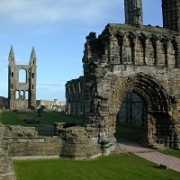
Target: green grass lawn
{"points": [[125, 166], [47, 118], [172, 152], [114, 167], [132, 133]]}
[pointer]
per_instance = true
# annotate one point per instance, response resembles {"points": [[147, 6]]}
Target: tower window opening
{"points": [[27, 95], [17, 95], [22, 76]]}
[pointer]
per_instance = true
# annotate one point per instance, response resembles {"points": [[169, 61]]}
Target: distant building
{"points": [[54, 105]]}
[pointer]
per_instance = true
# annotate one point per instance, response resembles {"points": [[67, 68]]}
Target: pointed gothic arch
{"points": [[22, 75], [157, 101]]}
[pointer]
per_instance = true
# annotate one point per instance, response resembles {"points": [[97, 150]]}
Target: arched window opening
{"points": [[22, 76], [151, 53], [140, 51], [128, 51], [27, 95], [17, 95]]}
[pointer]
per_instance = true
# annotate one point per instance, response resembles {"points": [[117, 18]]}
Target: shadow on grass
{"points": [[130, 133]]}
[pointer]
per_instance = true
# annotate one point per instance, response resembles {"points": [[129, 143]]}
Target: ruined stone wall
{"points": [[1, 139], [72, 142], [74, 98], [24, 141], [3, 102], [36, 146], [127, 59]]}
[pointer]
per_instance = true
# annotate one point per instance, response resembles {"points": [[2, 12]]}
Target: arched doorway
{"points": [[131, 124], [158, 122], [133, 110]]}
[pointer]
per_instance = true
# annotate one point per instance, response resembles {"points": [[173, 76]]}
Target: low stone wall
{"points": [[72, 142], [24, 141], [48, 146]]}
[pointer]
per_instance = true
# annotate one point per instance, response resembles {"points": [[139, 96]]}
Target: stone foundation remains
{"points": [[72, 142]]}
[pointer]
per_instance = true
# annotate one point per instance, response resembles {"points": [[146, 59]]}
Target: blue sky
{"points": [[57, 29]]}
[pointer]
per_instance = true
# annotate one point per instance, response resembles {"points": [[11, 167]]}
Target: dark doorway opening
{"points": [[132, 119]]}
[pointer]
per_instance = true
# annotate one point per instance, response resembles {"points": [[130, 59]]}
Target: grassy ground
{"points": [[132, 133], [125, 132], [171, 152], [114, 167], [125, 166], [47, 118]]}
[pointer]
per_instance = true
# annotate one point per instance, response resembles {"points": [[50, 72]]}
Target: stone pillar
{"points": [[145, 50], [133, 12]]}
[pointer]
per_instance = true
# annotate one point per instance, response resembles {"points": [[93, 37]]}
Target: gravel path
{"points": [[162, 159], [152, 155]]}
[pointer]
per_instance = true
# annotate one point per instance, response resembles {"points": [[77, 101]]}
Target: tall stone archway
{"points": [[158, 104]]}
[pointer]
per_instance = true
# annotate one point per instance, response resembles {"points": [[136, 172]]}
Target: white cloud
{"points": [[26, 11], [48, 86]]}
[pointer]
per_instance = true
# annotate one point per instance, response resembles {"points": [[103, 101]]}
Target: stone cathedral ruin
{"points": [[132, 63], [131, 74]]}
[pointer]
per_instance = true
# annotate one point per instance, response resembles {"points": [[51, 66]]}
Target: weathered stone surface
{"points": [[133, 59], [22, 95], [78, 143], [24, 141], [20, 131]]}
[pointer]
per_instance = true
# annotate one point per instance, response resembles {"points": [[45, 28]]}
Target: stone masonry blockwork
{"points": [[128, 58], [22, 94]]}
